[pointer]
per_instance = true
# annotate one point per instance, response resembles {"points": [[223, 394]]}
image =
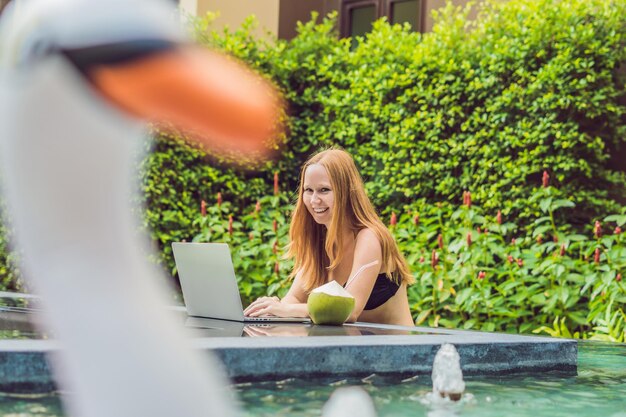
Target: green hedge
{"points": [[176, 177], [474, 269], [10, 279], [483, 105]]}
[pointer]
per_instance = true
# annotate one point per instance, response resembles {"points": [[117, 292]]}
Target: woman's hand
{"points": [[272, 306], [264, 306]]}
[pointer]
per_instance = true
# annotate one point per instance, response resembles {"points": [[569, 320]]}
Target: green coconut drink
{"points": [[330, 304]]}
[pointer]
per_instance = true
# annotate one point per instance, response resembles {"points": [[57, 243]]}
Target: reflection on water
{"points": [[205, 327], [18, 315]]}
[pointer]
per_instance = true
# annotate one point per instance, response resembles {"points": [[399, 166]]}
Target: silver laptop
{"points": [[207, 278]]}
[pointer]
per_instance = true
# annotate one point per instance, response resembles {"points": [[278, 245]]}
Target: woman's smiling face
{"points": [[318, 194]]}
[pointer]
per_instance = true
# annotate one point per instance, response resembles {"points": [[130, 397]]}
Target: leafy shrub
{"points": [[485, 105], [478, 271], [10, 279], [474, 269], [175, 178], [257, 238]]}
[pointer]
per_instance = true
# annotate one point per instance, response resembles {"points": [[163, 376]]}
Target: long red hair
{"points": [[314, 248]]}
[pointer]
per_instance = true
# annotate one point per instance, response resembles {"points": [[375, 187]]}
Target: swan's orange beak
{"points": [[208, 96]]}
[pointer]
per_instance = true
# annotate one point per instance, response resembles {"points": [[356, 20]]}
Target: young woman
{"points": [[336, 235]]}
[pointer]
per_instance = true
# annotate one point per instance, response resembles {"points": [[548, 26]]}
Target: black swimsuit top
{"points": [[383, 290]]}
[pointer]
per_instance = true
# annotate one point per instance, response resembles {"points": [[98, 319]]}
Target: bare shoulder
{"points": [[366, 234], [367, 249], [368, 238]]}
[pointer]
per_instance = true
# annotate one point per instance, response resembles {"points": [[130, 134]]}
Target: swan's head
{"points": [[134, 54]]}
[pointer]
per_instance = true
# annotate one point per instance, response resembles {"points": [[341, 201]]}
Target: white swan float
{"points": [[77, 79]]}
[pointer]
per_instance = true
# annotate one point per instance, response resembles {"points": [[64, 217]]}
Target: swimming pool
{"points": [[599, 389]]}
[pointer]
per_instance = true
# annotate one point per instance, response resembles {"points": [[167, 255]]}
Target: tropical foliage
{"points": [[485, 105], [474, 269]]}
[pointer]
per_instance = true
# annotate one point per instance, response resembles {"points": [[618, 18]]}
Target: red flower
{"points": [[416, 219], [219, 199], [520, 262], [540, 239], [257, 207], [440, 241], [276, 268], [482, 275], [596, 256], [597, 230], [421, 259], [499, 217], [510, 259], [513, 241], [545, 179], [275, 248], [467, 199], [478, 230], [203, 208], [434, 259], [230, 224], [275, 225], [276, 183], [250, 236], [394, 219], [469, 239], [618, 278], [555, 238], [617, 230], [562, 252]]}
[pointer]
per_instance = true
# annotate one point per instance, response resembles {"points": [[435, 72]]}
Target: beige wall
{"points": [[292, 11], [233, 12], [330, 5], [279, 17]]}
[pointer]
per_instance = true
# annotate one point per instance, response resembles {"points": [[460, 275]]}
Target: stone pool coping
{"points": [[352, 350], [481, 353], [24, 366]]}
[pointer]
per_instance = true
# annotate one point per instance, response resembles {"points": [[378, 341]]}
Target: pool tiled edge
{"points": [[339, 356], [24, 366]]}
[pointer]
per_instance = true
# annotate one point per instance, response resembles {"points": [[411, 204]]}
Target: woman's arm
{"points": [[292, 305], [368, 253]]}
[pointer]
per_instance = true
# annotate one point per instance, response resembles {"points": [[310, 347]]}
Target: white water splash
{"points": [[349, 401], [447, 375]]}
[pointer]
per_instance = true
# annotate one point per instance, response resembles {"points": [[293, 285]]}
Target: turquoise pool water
{"points": [[45, 405], [599, 389]]}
